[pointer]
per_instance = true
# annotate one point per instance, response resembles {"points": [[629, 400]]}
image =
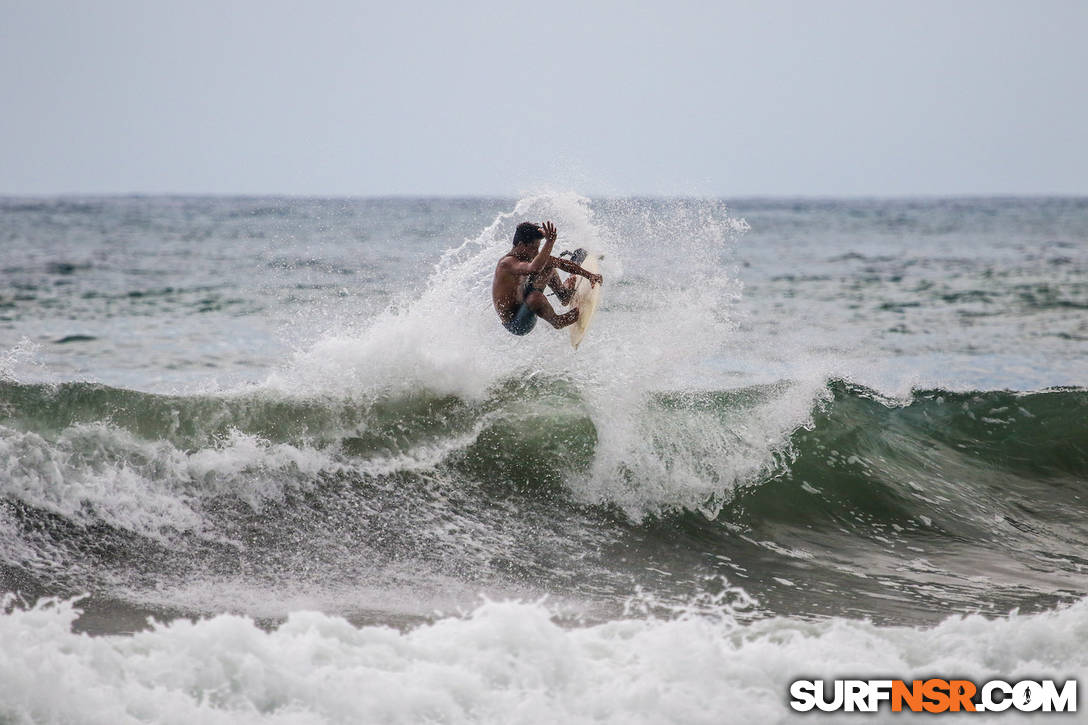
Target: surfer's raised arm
{"points": [[540, 261], [519, 265]]}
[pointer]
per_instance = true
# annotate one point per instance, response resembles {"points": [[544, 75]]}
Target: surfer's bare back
{"points": [[524, 272]]}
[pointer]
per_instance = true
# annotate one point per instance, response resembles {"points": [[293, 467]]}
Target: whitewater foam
{"points": [[98, 473], [505, 662]]}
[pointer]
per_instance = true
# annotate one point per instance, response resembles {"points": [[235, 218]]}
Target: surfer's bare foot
{"points": [[566, 319]]}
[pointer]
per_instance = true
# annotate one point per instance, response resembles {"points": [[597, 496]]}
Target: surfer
{"points": [[524, 272]]}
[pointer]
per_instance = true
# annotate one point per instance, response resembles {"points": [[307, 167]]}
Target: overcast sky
{"points": [[709, 98]]}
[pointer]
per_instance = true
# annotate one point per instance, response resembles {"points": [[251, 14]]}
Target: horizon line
{"points": [[514, 197]]}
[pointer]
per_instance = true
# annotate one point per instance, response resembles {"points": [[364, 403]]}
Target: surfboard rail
{"points": [[586, 297]]}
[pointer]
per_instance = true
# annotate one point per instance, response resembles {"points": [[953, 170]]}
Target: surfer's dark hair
{"points": [[526, 233]]}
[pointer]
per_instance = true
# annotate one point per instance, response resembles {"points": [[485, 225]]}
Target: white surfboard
{"points": [[586, 297]]}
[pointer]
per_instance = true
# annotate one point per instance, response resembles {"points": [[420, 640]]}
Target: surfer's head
{"points": [[527, 233]]}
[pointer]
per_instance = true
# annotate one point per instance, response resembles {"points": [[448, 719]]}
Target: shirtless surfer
{"points": [[524, 272]]}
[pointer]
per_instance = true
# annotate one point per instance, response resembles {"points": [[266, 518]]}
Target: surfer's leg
{"points": [[539, 304], [563, 290]]}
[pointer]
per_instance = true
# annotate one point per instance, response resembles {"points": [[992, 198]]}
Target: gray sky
{"points": [[708, 98]]}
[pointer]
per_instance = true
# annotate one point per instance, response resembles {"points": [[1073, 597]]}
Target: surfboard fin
{"points": [[577, 256]]}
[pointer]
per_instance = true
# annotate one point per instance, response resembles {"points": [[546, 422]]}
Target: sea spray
{"points": [[662, 320]]}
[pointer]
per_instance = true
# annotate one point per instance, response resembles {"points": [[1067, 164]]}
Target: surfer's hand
{"points": [[595, 279], [550, 232]]}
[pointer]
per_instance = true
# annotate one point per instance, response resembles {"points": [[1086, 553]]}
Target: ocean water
{"points": [[275, 460]]}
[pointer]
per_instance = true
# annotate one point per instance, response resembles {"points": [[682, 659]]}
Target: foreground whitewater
{"points": [[503, 662]]}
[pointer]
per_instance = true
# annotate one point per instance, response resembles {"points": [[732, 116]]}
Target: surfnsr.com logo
{"points": [[933, 695]]}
